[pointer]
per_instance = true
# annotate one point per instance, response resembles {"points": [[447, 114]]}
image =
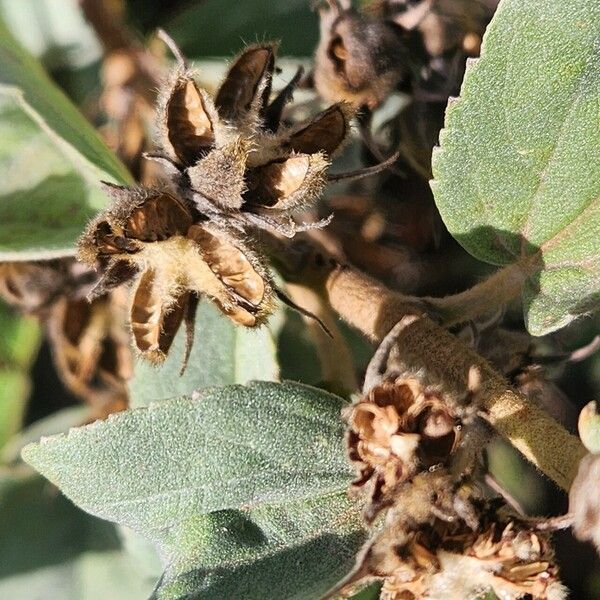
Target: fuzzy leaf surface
{"points": [[241, 488], [51, 162], [51, 550], [518, 170]]}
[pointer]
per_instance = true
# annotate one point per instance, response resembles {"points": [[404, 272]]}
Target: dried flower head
{"points": [[33, 287], [234, 169], [91, 350], [442, 25], [441, 539], [398, 429]]}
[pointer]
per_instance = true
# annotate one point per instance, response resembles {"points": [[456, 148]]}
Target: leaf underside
{"points": [[518, 170]]}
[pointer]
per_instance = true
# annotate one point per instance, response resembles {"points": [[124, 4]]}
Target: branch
{"points": [[374, 309], [337, 367], [501, 287]]}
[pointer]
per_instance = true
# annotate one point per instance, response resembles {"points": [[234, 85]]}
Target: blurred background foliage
{"points": [[50, 549]]}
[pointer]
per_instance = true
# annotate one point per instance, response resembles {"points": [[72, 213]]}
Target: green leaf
{"points": [[241, 486], [292, 22], [23, 72], [297, 550], [518, 171], [223, 354], [368, 593], [51, 162], [52, 550], [19, 343]]}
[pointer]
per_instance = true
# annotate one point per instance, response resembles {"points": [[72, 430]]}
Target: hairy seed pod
{"points": [[359, 59], [235, 169], [152, 239]]}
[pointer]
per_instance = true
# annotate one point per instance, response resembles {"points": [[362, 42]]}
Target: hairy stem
{"points": [[501, 287], [374, 309], [337, 367]]}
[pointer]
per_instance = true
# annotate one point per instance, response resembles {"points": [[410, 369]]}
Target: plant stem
{"points": [[374, 309], [501, 287], [337, 368]]}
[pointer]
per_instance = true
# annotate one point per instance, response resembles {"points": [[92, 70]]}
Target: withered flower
{"points": [[443, 25], [396, 430], [441, 539], [234, 170]]}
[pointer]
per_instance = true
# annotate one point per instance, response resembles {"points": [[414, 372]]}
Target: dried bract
{"points": [[398, 429], [441, 539]]}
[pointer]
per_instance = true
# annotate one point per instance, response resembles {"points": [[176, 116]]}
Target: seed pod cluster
{"points": [[465, 546], [234, 169], [89, 347]]}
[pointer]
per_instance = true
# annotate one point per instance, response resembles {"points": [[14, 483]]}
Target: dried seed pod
{"points": [[33, 287], [174, 260], [243, 165], [91, 350], [441, 539], [443, 25], [360, 59], [232, 174], [89, 347]]}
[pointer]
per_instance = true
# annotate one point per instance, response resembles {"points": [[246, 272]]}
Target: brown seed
{"points": [[230, 265], [159, 218], [277, 181]]}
